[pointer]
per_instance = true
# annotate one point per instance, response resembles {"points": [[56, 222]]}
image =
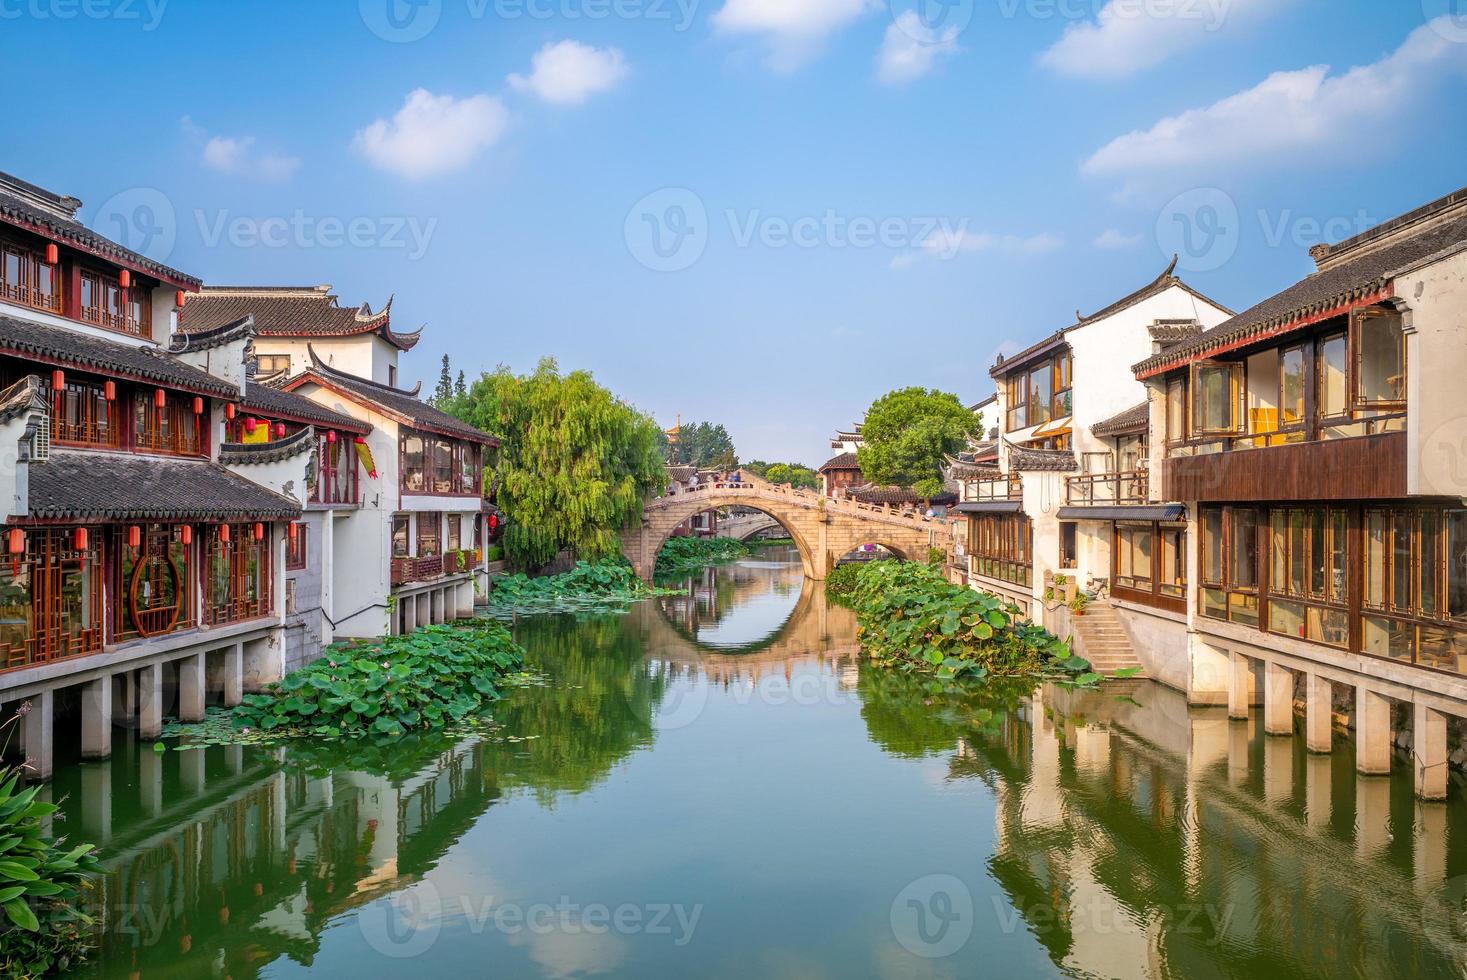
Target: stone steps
{"points": [[1104, 640]]}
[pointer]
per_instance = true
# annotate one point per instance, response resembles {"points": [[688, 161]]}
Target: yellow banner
{"points": [[364, 453]]}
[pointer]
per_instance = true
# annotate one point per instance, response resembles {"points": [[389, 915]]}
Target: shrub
{"points": [[840, 584], [909, 616], [687, 554], [429, 679], [41, 882]]}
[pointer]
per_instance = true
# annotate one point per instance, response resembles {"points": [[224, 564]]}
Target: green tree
{"points": [[700, 444], [443, 392], [459, 388], [574, 464], [907, 433], [796, 475]]}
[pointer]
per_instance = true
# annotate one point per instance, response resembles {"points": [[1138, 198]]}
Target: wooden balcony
{"points": [[1358, 468], [1131, 487], [985, 491], [434, 567]]}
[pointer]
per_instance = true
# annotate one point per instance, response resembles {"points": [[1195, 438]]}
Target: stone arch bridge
{"points": [[823, 529]]}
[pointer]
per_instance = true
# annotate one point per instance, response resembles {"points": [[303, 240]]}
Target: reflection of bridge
{"points": [[823, 528]]}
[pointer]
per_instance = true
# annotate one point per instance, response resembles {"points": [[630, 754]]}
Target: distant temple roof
{"points": [[291, 311], [845, 461], [46, 213]]}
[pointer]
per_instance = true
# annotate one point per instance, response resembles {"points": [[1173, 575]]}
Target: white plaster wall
{"points": [[286, 476], [365, 355], [226, 362], [14, 489], [1436, 364]]}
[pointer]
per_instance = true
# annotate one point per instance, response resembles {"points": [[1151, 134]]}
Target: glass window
{"points": [[429, 536], [442, 451], [1069, 545], [1243, 550], [414, 478], [1041, 394], [1377, 544], [1133, 570], [1176, 410], [455, 532], [1457, 564], [1332, 367], [1430, 564], [1212, 546], [1214, 401], [1173, 582], [1380, 359], [1017, 398], [1291, 386], [1401, 566], [400, 548], [296, 549]]}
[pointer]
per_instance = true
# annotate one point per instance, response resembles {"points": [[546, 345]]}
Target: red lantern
{"points": [[109, 390], [17, 541], [229, 412], [259, 532], [79, 539], [280, 430], [160, 397], [224, 532], [58, 380], [53, 254], [250, 425], [134, 536], [178, 298], [198, 405], [292, 530], [186, 534], [331, 437], [493, 521], [124, 279]]}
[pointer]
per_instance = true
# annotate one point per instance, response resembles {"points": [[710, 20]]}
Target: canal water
{"points": [[716, 785]]}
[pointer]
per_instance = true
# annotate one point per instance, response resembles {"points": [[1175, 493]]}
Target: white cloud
{"points": [[1294, 113], [911, 49], [433, 134], [1115, 239], [1129, 36], [236, 155], [568, 72], [948, 243], [794, 29]]}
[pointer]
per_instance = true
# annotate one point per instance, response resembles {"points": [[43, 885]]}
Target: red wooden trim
{"points": [[192, 285]]}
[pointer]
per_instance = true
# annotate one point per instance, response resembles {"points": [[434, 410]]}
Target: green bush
{"points": [[681, 555], [495, 552], [44, 933], [429, 679], [909, 616], [589, 587], [840, 584]]}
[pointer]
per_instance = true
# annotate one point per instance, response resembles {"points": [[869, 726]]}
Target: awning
{"points": [[1136, 512], [1054, 427], [991, 507]]}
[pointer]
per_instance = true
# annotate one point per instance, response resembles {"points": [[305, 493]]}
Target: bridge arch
{"points": [[822, 529]]}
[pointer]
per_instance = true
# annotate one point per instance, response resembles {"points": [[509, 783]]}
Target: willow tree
{"points": [[906, 435], [574, 464]]}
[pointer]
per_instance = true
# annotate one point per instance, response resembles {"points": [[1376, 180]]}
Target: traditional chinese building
{"points": [[144, 565]]}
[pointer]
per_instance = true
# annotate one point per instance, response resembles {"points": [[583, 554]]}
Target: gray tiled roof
{"points": [[23, 203], [238, 453], [403, 404], [125, 486], [1046, 460], [845, 461], [291, 311], [273, 402], [1135, 419], [29, 339], [1356, 269]]}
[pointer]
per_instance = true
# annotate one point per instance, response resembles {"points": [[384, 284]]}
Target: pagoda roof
{"points": [[291, 311]]}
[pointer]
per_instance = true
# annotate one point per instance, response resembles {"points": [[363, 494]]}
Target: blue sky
{"points": [[760, 212]]}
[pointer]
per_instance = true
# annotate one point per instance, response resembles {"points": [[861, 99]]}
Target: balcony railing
{"points": [[1004, 488], [433, 567], [1131, 487]]}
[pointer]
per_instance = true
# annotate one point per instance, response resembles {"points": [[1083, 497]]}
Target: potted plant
{"points": [[1079, 603]]}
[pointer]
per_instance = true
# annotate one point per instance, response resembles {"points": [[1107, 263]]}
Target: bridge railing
{"points": [[806, 497]]}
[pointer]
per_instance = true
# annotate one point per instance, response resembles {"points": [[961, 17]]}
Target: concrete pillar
{"points": [[96, 712], [1429, 752], [1210, 673], [96, 799], [1240, 687], [436, 607], [1318, 788], [1319, 696], [38, 726], [425, 609], [1278, 700], [409, 607], [191, 688], [150, 701], [233, 675], [1372, 732], [126, 713], [150, 782]]}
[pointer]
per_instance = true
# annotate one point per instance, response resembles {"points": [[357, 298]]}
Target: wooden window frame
{"points": [[49, 559], [1306, 599], [403, 523], [234, 557], [1001, 547], [122, 321], [30, 260], [76, 421], [1228, 588], [1236, 390], [433, 533], [298, 551], [184, 435], [1358, 402], [158, 554], [1156, 596]]}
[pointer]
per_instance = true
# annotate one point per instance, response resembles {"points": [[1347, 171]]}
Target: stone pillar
{"points": [[1240, 687], [96, 712], [233, 675], [191, 688], [126, 713], [1209, 678], [1278, 700], [425, 609], [1429, 752], [1372, 732], [1318, 714], [436, 607], [39, 722], [408, 606], [150, 701]]}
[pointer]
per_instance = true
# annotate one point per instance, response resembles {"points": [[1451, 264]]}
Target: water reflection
{"points": [[787, 800]]}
